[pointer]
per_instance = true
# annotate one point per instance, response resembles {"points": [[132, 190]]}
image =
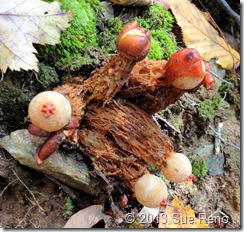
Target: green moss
{"points": [[81, 33], [160, 22], [207, 110], [156, 17], [108, 37], [229, 90], [199, 166], [162, 177], [68, 208], [48, 76], [162, 45], [152, 168]]}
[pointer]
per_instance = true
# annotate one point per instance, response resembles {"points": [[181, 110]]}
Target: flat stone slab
{"points": [[22, 146]]}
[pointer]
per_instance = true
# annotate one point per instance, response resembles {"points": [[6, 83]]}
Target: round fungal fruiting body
{"points": [[134, 42], [151, 191], [177, 168], [49, 111], [185, 69]]}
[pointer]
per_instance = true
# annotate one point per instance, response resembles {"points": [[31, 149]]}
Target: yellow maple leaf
{"points": [[198, 33], [180, 216], [24, 22]]}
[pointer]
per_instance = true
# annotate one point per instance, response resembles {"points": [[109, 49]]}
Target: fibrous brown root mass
{"points": [[100, 87], [123, 140], [147, 87]]}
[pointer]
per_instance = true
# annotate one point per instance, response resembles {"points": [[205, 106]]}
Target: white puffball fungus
{"points": [[49, 110], [177, 168], [150, 190]]}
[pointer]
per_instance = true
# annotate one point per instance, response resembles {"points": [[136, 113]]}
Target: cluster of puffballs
{"points": [[51, 111]]}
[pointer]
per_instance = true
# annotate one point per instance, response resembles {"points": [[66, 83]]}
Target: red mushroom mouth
{"points": [[186, 69]]}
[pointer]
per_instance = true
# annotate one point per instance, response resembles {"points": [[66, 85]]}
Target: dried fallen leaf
{"points": [[86, 218], [180, 216], [198, 33], [24, 22]]}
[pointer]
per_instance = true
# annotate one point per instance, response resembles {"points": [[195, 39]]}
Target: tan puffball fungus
{"points": [[177, 168], [150, 191], [49, 111]]}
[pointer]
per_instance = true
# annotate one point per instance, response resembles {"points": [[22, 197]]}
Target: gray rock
{"points": [[22, 146], [215, 163]]}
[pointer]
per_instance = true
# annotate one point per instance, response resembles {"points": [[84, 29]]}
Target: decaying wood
{"points": [[147, 87], [101, 87], [123, 140], [119, 136]]}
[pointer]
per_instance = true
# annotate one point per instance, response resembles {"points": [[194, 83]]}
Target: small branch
{"points": [[167, 123], [231, 144], [28, 191], [217, 139], [25, 216], [229, 11], [223, 80], [192, 102], [2, 77], [156, 121], [65, 188], [6, 187], [49, 199]]}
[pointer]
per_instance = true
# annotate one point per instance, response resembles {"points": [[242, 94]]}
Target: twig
{"points": [[5, 188], [33, 223], [25, 215], [167, 123], [65, 188], [6, 159], [223, 80], [231, 144], [217, 139], [156, 121], [49, 199], [28, 191], [229, 11], [35, 74], [191, 100], [2, 77]]}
